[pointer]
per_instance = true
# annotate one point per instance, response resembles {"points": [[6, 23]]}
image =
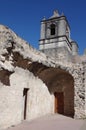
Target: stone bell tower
{"points": [[55, 38]]}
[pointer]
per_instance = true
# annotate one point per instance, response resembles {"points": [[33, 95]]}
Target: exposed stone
{"points": [[4, 77], [32, 82]]}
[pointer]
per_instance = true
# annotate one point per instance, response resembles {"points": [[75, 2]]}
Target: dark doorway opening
{"points": [[25, 91], [59, 102]]}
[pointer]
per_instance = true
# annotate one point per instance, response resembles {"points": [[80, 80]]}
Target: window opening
{"points": [[52, 29]]}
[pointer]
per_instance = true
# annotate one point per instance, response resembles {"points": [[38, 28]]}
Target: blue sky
{"points": [[24, 16]]}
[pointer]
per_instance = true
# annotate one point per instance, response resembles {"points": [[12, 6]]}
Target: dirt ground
{"points": [[51, 122]]}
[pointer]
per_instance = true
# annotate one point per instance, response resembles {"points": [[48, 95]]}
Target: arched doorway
{"points": [[64, 94], [61, 84]]}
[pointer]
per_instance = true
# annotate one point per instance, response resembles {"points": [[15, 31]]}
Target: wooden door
{"points": [[25, 101], [59, 102]]}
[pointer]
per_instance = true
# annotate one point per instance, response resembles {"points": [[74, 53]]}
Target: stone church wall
{"points": [[58, 54], [39, 100]]}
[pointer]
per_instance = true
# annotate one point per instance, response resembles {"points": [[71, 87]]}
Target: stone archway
{"points": [[60, 83]]}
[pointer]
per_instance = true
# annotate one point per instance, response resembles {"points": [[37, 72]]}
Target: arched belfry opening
{"points": [[52, 29], [60, 84]]}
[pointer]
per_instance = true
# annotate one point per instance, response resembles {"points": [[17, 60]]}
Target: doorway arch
{"points": [[61, 84]]}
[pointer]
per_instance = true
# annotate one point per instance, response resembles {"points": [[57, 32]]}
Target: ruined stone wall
{"points": [[79, 74], [84, 80], [16, 59], [39, 100], [79, 86]]}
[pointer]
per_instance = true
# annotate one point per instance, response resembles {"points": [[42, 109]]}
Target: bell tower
{"points": [[55, 38]]}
